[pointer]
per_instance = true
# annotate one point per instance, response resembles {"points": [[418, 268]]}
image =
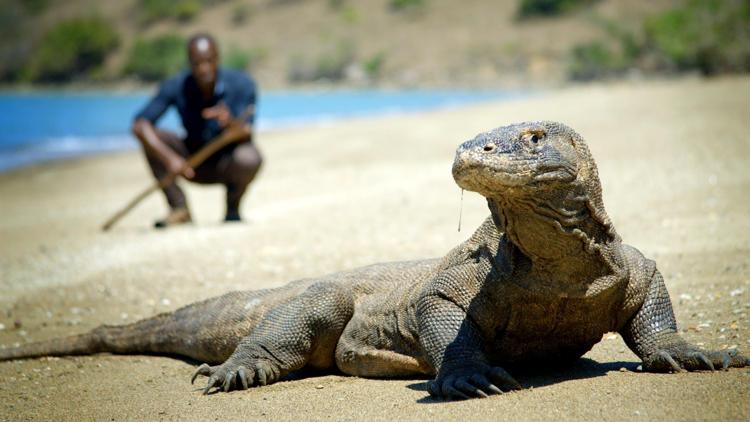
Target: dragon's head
{"points": [[542, 163], [523, 159]]}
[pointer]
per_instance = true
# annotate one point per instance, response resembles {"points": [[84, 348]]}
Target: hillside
{"points": [[364, 42]]}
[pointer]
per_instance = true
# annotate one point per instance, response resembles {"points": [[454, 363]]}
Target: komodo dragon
{"points": [[538, 283]]}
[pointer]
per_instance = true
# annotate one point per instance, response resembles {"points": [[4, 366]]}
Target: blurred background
{"points": [[450, 52], [400, 43]]}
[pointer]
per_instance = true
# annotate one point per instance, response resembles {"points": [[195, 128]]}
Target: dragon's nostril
{"points": [[489, 147]]}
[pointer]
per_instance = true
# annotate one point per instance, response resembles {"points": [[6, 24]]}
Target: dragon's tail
{"points": [[138, 337], [207, 331]]}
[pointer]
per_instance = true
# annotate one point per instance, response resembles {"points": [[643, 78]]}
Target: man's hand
{"points": [[144, 130], [176, 165], [220, 112]]}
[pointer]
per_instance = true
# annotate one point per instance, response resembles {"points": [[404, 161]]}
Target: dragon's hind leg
{"points": [[300, 333]]}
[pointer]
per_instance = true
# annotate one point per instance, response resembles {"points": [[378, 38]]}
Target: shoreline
{"points": [[31, 149], [106, 115], [672, 158]]}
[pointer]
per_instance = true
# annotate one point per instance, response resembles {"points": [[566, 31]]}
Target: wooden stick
{"points": [[223, 139]]}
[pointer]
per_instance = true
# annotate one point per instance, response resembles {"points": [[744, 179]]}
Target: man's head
{"points": [[203, 55]]}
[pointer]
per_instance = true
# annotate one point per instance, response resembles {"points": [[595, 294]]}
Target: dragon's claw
{"points": [[231, 376], [473, 383], [686, 357]]}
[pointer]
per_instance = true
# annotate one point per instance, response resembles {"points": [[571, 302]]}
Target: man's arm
{"points": [[238, 111], [240, 131], [143, 128], [145, 131]]}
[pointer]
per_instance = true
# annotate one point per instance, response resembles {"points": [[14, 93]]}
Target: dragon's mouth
{"points": [[487, 180], [557, 173], [491, 181], [489, 177]]}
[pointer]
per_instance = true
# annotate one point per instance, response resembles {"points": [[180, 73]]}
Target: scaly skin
{"points": [[538, 283]]}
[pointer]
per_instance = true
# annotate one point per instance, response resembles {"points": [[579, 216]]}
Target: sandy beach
{"points": [[674, 160]]}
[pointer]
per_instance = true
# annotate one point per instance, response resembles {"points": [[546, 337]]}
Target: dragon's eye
{"points": [[533, 137]]}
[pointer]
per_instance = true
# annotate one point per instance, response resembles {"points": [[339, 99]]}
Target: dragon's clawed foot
{"points": [[233, 376], [686, 357], [477, 383]]}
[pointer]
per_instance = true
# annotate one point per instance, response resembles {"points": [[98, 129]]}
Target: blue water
{"points": [[43, 126]]}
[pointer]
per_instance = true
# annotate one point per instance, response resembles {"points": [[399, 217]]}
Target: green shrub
{"points": [[155, 59], [406, 4], [674, 34], [236, 58], [72, 49], [240, 14], [186, 10], [349, 14], [592, 60], [374, 65], [329, 65], [631, 43], [155, 10], [15, 46], [711, 35], [611, 56], [532, 8], [35, 7], [282, 3]]}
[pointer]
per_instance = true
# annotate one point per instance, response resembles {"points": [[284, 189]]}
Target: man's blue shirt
{"points": [[233, 88]]}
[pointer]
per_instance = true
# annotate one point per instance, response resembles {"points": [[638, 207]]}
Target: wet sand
{"points": [[674, 159]]}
